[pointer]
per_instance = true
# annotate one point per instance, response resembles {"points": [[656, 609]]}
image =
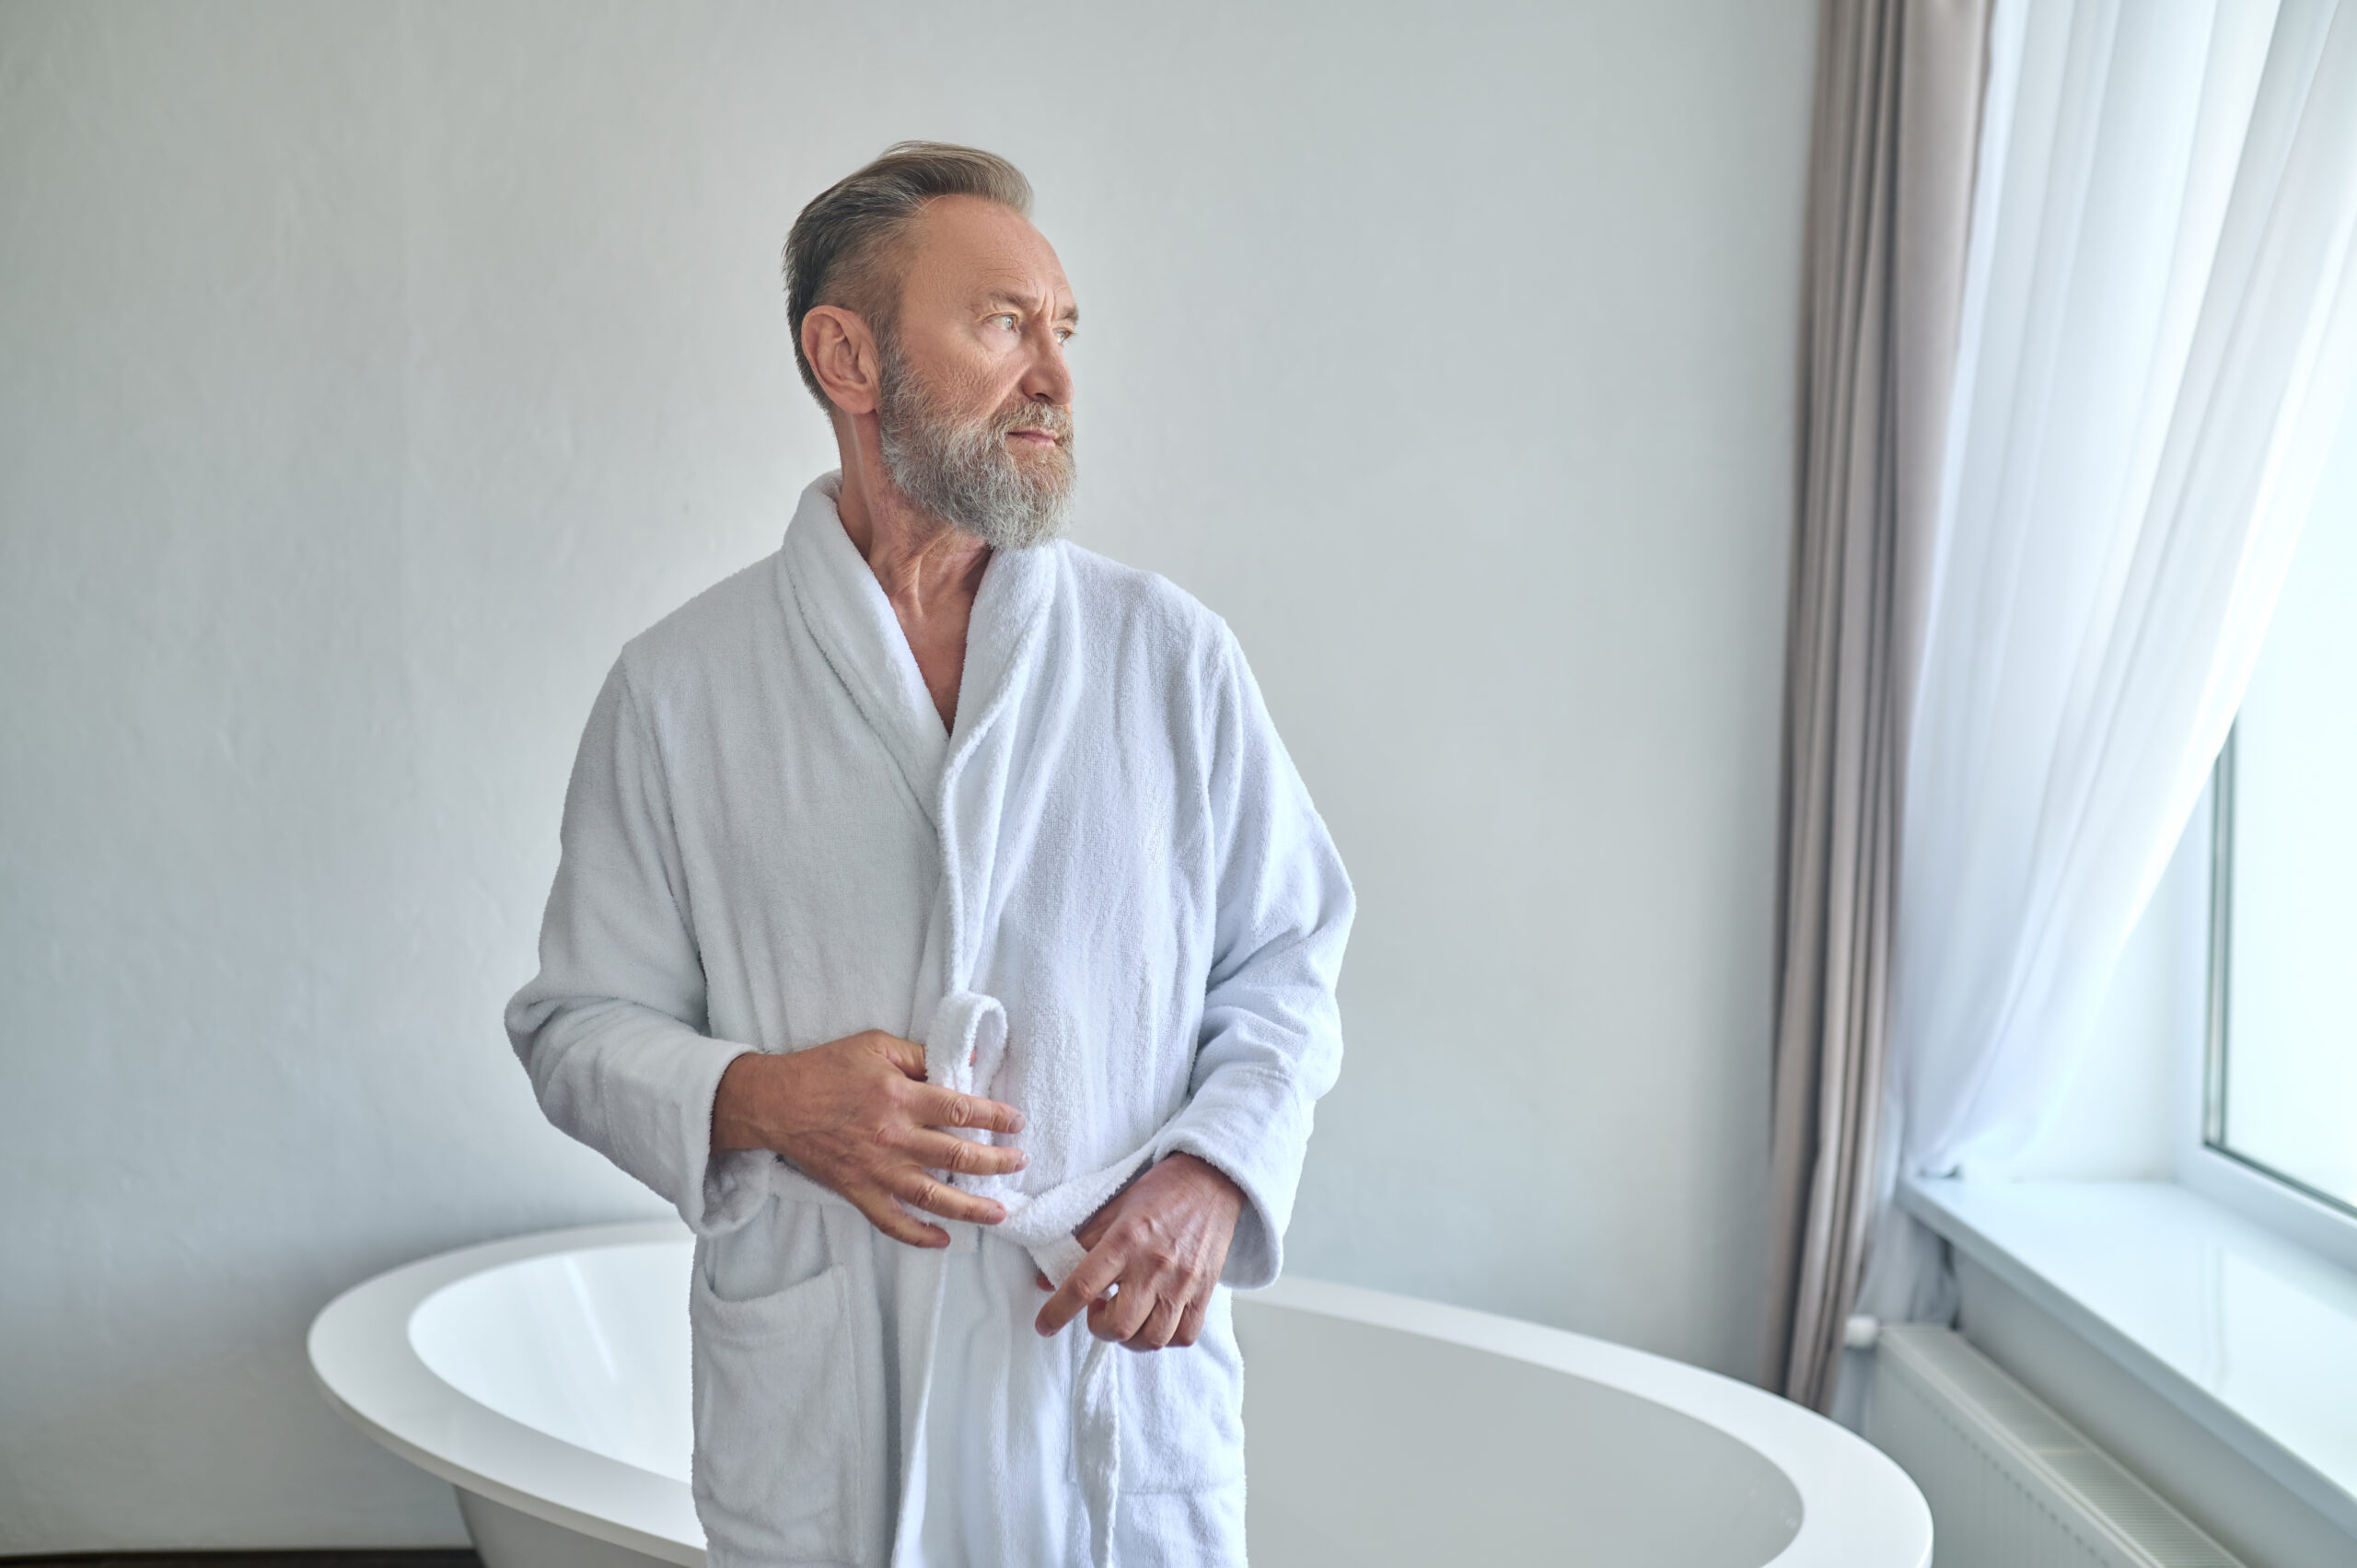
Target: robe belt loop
{"points": [[967, 1042]]}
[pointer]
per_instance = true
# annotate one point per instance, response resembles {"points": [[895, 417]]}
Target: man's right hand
{"points": [[857, 1116]]}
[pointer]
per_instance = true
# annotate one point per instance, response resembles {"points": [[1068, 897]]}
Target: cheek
{"points": [[982, 386]]}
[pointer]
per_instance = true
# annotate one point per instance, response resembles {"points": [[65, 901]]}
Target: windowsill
{"points": [[2253, 1337]]}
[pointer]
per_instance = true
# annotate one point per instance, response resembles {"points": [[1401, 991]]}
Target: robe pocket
{"points": [[1183, 1410], [780, 1423]]}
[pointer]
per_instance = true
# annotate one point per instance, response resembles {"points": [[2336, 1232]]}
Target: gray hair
{"points": [[841, 251]]}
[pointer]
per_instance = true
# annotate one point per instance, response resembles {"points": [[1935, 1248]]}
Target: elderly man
{"points": [[933, 867]]}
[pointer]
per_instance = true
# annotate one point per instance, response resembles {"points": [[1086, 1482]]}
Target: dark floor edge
{"points": [[457, 1558]]}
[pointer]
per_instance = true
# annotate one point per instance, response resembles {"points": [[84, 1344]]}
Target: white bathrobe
{"points": [[1103, 898]]}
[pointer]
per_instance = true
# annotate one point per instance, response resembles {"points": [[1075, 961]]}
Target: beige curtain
{"points": [[1896, 116]]}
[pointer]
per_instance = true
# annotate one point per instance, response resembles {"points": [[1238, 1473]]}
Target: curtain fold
{"points": [[1893, 144], [2159, 335]]}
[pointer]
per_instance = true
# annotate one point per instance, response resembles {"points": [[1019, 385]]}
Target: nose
{"points": [[1046, 375]]}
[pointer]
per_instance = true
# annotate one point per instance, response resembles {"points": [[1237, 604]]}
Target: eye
{"points": [[1007, 317], [1064, 334]]}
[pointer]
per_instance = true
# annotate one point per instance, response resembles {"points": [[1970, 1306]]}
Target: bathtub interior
{"points": [[1366, 1443], [589, 1347]]}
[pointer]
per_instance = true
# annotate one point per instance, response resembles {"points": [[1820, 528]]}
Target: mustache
{"points": [[1050, 417]]}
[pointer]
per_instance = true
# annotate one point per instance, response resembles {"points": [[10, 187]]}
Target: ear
{"points": [[842, 354]]}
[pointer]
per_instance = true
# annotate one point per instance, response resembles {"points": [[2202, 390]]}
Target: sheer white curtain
{"points": [[2160, 325]]}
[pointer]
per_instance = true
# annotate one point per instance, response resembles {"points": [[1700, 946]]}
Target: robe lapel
{"points": [[830, 588], [1002, 644]]}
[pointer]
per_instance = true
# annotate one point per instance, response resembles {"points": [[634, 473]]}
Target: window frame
{"points": [[2205, 1164]]}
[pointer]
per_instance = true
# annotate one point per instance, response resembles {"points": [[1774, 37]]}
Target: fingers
{"points": [[917, 1189], [875, 1136], [944, 1108], [1151, 1306], [1124, 1317], [905, 1054], [1190, 1321], [1161, 1326], [896, 1222], [939, 1106], [939, 1151], [1082, 1285]]}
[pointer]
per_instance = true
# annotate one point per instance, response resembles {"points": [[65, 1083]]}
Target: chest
{"points": [[815, 865]]}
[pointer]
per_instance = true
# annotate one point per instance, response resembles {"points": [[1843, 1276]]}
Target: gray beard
{"points": [[961, 473]]}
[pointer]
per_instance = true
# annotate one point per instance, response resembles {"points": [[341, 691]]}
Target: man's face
{"points": [[974, 408]]}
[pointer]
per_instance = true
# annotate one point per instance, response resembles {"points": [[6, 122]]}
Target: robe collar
{"points": [[830, 585]]}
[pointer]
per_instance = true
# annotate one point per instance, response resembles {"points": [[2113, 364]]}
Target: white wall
{"points": [[368, 374]]}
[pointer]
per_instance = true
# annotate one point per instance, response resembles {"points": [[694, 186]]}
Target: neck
{"points": [[929, 570], [925, 565]]}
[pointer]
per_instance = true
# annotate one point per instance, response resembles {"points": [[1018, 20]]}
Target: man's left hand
{"points": [[1163, 1239]]}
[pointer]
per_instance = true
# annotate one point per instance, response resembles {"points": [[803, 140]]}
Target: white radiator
{"points": [[2011, 1483]]}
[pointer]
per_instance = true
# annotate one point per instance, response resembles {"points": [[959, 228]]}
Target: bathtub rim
{"points": [[1856, 1504], [365, 1364]]}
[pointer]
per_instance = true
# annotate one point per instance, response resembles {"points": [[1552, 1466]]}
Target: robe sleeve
{"points": [[610, 1030], [1271, 1041]]}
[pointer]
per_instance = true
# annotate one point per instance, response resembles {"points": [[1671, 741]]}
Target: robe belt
{"points": [[962, 1051], [1096, 1394]]}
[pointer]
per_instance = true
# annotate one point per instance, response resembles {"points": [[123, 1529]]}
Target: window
{"points": [[2281, 1091]]}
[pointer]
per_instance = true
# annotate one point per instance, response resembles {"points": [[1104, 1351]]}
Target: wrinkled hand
{"points": [[857, 1116], [1163, 1239]]}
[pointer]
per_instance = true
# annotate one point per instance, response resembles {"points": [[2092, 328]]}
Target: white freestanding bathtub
{"points": [[546, 1377]]}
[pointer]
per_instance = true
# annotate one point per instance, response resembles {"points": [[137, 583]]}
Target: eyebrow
{"points": [[999, 296]]}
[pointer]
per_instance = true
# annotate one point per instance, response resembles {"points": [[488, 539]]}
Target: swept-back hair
{"points": [[843, 250]]}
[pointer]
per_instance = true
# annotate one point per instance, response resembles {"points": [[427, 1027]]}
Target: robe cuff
{"points": [[1252, 1126], [718, 1193]]}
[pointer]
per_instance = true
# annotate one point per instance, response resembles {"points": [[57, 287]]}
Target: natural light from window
{"points": [[2283, 1075]]}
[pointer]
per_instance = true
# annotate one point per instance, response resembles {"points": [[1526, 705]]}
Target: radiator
{"points": [[2011, 1483]]}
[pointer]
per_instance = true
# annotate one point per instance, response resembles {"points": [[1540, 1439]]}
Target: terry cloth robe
{"points": [[1103, 897]]}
